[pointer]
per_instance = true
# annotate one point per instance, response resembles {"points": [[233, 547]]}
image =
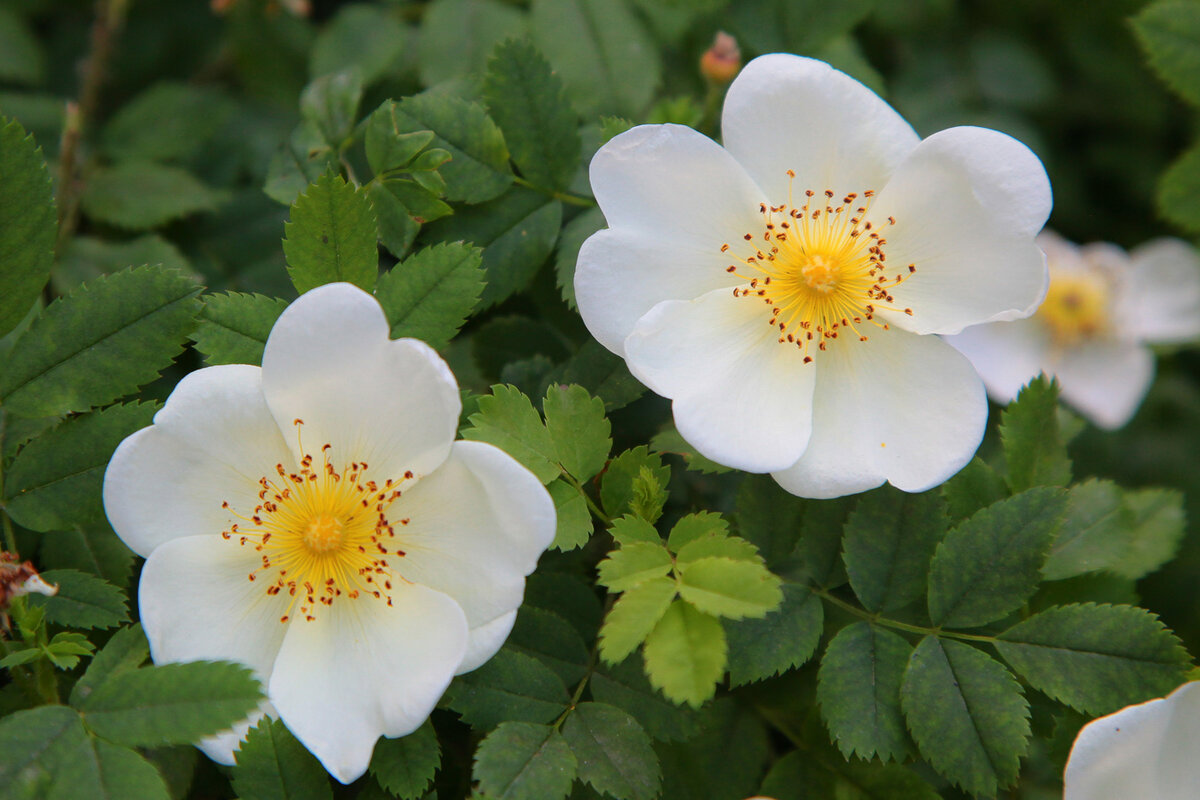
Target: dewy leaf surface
{"points": [[28, 225]]}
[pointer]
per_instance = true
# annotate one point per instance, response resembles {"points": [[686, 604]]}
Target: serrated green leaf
{"points": [[140, 195], [629, 529], [89, 548], [858, 688], [649, 495], [626, 686], [1156, 525], [386, 147], [1033, 446], [527, 100], [28, 225], [101, 342], [233, 327], [508, 420], [966, 713], [685, 654], [693, 527], [272, 765], [405, 766], [633, 616], [669, 440], [82, 601], [1169, 33], [770, 517], [1092, 535], [171, 704], [552, 640], [785, 638], [297, 163], [727, 588], [718, 545], [65, 649], [632, 564], [613, 752], [86, 258], [523, 761], [458, 35], [41, 751], [991, 564], [574, 517], [889, 541], [603, 374], [431, 293], [725, 760], [331, 236], [1178, 195], [616, 487], [330, 104], [126, 650], [581, 432], [975, 486], [369, 38], [1095, 658], [18, 657], [510, 686], [122, 773], [54, 482], [168, 121]]}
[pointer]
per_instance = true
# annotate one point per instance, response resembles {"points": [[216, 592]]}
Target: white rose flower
{"points": [[1151, 750], [1104, 307], [315, 520], [782, 290]]}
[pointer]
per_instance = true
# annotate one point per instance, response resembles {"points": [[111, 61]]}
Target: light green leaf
{"points": [[101, 342], [18, 657], [616, 487], [966, 713], [83, 601], [272, 765], [693, 527], [139, 195], [331, 236], [572, 237], [991, 564], [431, 293], [785, 638], [626, 686], [508, 420], [1169, 32], [629, 528], [858, 688], [28, 224], [126, 650], [580, 431], [458, 35], [613, 752], [552, 640], [718, 545], [370, 38], [727, 588], [406, 765], [1033, 446], [234, 327], [685, 654], [574, 517], [65, 649], [510, 686], [1096, 658], [523, 761], [170, 704], [54, 482], [166, 122], [632, 618], [649, 495], [632, 564]]}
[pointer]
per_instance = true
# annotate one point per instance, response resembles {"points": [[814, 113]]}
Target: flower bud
{"points": [[721, 62]]}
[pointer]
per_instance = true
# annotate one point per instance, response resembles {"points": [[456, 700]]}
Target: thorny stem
{"points": [[565, 197], [878, 619]]}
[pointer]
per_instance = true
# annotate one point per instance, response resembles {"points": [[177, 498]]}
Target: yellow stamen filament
{"points": [[323, 533], [1076, 307]]}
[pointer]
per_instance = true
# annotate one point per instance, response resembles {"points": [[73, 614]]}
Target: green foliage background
{"points": [[695, 632]]}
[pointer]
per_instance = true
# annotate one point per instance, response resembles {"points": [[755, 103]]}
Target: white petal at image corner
{"points": [[277, 509], [846, 243], [1149, 750]]}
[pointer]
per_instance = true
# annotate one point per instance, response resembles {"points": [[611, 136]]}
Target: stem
{"points": [[595, 509], [593, 657], [565, 197], [878, 619]]}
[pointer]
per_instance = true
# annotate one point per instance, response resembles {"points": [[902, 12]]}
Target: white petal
{"points": [[1007, 355], [1106, 380], [1161, 299], [485, 640], [330, 363], [786, 112], [903, 408], [740, 397], [477, 527], [966, 202], [210, 443], [362, 669]]}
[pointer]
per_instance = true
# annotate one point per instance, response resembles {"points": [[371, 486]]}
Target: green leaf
{"points": [[552, 640], [368, 38], [458, 35], [633, 564], [632, 618], [770, 517], [616, 487], [386, 147], [54, 482], [1156, 525], [694, 527], [727, 588], [527, 100], [1033, 445], [28, 224], [139, 195], [89, 548], [607, 60], [975, 486], [126, 650], [613, 752], [101, 342], [1178, 195], [478, 167], [572, 237], [1093, 534], [603, 374], [629, 528], [18, 657], [405, 766], [685, 654], [65, 649], [649, 495], [508, 420], [431, 293], [1095, 658], [725, 760], [625, 685], [991, 564], [166, 122], [330, 105], [783, 639], [581, 432], [234, 327], [171, 704], [83, 601], [272, 765], [298, 162], [719, 545], [796, 26], [41, 751], [86, 258], [522, 761], [669, 440], [331, 236], [570, 596], [510, 686], [1169, 32], [889, 541], [966, 713], [858, 688], [574, 517], [21, 57]]}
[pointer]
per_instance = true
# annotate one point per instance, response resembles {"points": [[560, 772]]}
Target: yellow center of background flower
{"points": [[820, 268], [1075, 308]]}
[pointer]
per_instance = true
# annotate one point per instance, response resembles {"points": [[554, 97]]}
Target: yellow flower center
{"points": [[1076, 307], [323, 533], [820, 268]]}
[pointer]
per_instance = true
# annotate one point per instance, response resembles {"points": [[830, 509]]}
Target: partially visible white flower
{"points": [[315, 520], [1104, 307], [782, 290], [1151, 751]]}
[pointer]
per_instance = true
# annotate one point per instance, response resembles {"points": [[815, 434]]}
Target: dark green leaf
{"points": [[1178, 196], [508, 420], [43, 753], [796, 26], [580, 431], [405, 766], [523, 761], [511, 686], [369, 38], [272, 765], [616, 487], [331, 236], [625, 685], [89, 548], [86, 258], [785, 638], [726, 760], [574, 517], [669, 440], [83, 601], [167, 121], [1155, 526], [21, 57], [386, 147], [603, 374], [685, 654], [975, 486], [552, 640], [297, 163], [769, 517], [632, 618], [458, 35], [126, 650], [139, 195], [1093, 534], [573, 235], [1169, 32], [1033, 445], [234, 327], [569, 596], [613, 752], [28, 225], [431, 293], [330, 104]]}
